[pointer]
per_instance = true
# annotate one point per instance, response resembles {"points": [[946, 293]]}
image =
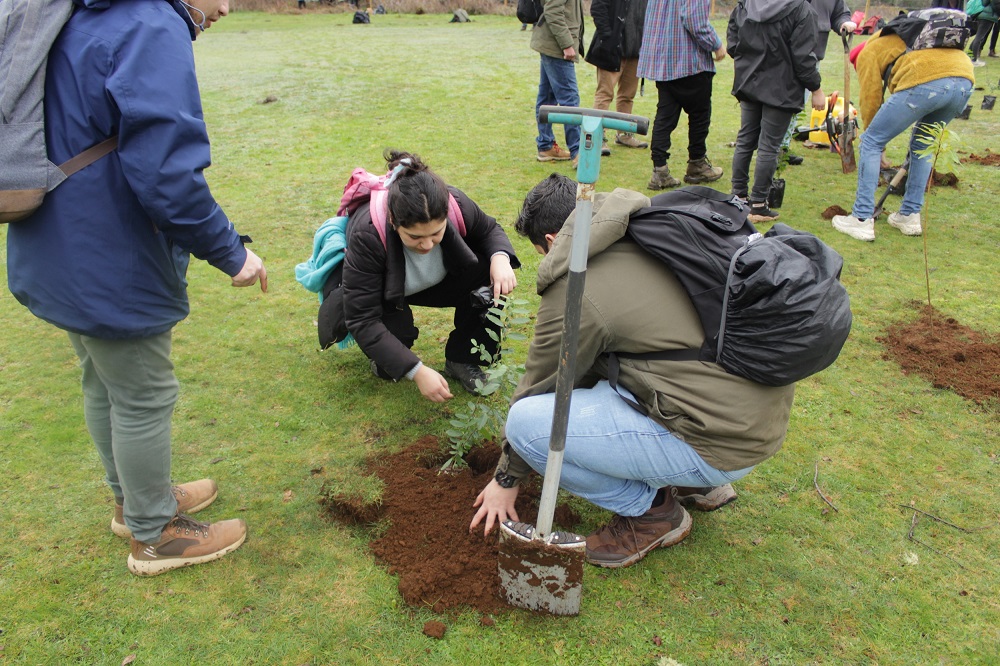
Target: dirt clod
{"points": [[834, 210], [434, 629]]}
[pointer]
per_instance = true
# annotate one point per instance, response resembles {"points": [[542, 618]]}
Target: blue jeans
{"points": [[557, 85], [615, 457], [936, 101]]}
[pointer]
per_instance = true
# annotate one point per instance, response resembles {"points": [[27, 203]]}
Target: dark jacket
{"points": [[617, 32], [772, 43], [107, 252], [375, 275], [605, 50]]}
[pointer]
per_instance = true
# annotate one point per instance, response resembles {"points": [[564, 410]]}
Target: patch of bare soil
{"points": [[987, 158], [833, 210], [947, 354], [427, 542]]}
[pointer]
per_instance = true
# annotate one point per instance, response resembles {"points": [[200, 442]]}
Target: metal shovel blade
{"points": [[541, 575]]}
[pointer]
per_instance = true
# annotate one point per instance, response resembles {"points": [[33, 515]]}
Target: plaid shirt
{"points": [[677, 40]]}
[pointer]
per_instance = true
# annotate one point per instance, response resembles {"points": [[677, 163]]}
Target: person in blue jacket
{"points": [[105, 256]]}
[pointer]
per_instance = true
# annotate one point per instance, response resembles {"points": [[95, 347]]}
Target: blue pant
{"points": [[557, 85], [933, 102], [615, 457]]}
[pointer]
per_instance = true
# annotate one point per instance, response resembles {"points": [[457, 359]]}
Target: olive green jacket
{"points": [[561, 27], [633, 303]]}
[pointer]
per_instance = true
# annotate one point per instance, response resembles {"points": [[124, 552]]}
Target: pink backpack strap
{"points": [[378, 209], [455, 215]]}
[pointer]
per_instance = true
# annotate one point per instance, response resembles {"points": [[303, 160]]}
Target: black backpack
{"points": [[529, 11], [772, 306], [361, 17]]}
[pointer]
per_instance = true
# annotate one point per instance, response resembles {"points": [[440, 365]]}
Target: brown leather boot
{"points": [[626, 540], [662, 179], [702, 171]]}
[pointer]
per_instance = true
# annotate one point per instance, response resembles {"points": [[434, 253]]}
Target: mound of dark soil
{"points": [[427, 542], [947, 354]]}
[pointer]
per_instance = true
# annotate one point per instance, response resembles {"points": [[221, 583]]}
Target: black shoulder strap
{"points": [[614, 367]]}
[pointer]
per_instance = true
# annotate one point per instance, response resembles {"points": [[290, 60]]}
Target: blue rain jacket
{"points": [[107, 252]]}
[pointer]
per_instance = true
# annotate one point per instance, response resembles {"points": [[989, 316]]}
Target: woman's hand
{"points": [[432, 385], [496, 504], [501, 275]]}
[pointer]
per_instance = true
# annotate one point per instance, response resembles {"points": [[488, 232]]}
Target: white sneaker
{"points": [[908, 224], [979, 63], [861, 229]]}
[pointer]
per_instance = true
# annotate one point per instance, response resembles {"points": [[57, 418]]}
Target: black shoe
{"points": [[468, 374], [793, 159], [759, 212]]}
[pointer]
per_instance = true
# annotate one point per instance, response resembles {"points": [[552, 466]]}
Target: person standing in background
{"points": [[558, 38], [614, 51], [678, 47]]}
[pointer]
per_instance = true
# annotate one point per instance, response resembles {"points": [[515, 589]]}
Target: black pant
{"points": [[693, 95], [982, 32], [470, 321]]}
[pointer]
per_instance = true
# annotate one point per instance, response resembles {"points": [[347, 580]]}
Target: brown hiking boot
{"points": [[191, 497], [705, 499], [185, 542], [702, 171], [628, 140], [553, 154], [662, 179], [625, 541]]}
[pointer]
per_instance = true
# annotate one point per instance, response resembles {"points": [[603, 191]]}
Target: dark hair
{"points": [[547, 206], [417, 195]]}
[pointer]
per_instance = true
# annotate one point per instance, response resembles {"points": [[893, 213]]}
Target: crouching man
{"points": [[705, 428]]}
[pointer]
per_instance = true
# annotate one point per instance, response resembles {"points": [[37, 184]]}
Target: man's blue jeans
{"points": [[933, 102], [557, 85], [615, 457]]}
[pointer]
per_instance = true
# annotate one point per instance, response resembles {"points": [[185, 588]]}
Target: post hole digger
{"points": [[540, 569], [847, 161]]}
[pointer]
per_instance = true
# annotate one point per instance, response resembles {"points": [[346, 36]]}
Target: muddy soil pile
{"points": [[988, 158], [947, 354], [427, 543]]}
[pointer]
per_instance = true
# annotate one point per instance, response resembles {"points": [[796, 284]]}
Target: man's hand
{"points": [[847, 27], [720, 53], [569, 53], [253, 268], [496, 504], [818, 100], [432, 385], [502, 275]]}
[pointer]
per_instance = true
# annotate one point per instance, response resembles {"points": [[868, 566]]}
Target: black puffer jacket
{"points": [[374, 276], [773, 43], [617, 32]]}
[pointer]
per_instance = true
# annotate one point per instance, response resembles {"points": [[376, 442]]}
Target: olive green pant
{"points": [[129, 392]]}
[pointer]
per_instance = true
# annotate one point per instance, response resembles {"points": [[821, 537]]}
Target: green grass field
{"points": [[777, 578]]}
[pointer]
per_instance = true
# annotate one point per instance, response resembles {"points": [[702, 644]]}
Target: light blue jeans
{"points": [[557, 85], [936, 101], [129, 392], [615, 457]]}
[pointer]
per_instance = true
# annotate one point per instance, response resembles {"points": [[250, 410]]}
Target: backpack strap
{"points": [[89, 156], [614, 367]]}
